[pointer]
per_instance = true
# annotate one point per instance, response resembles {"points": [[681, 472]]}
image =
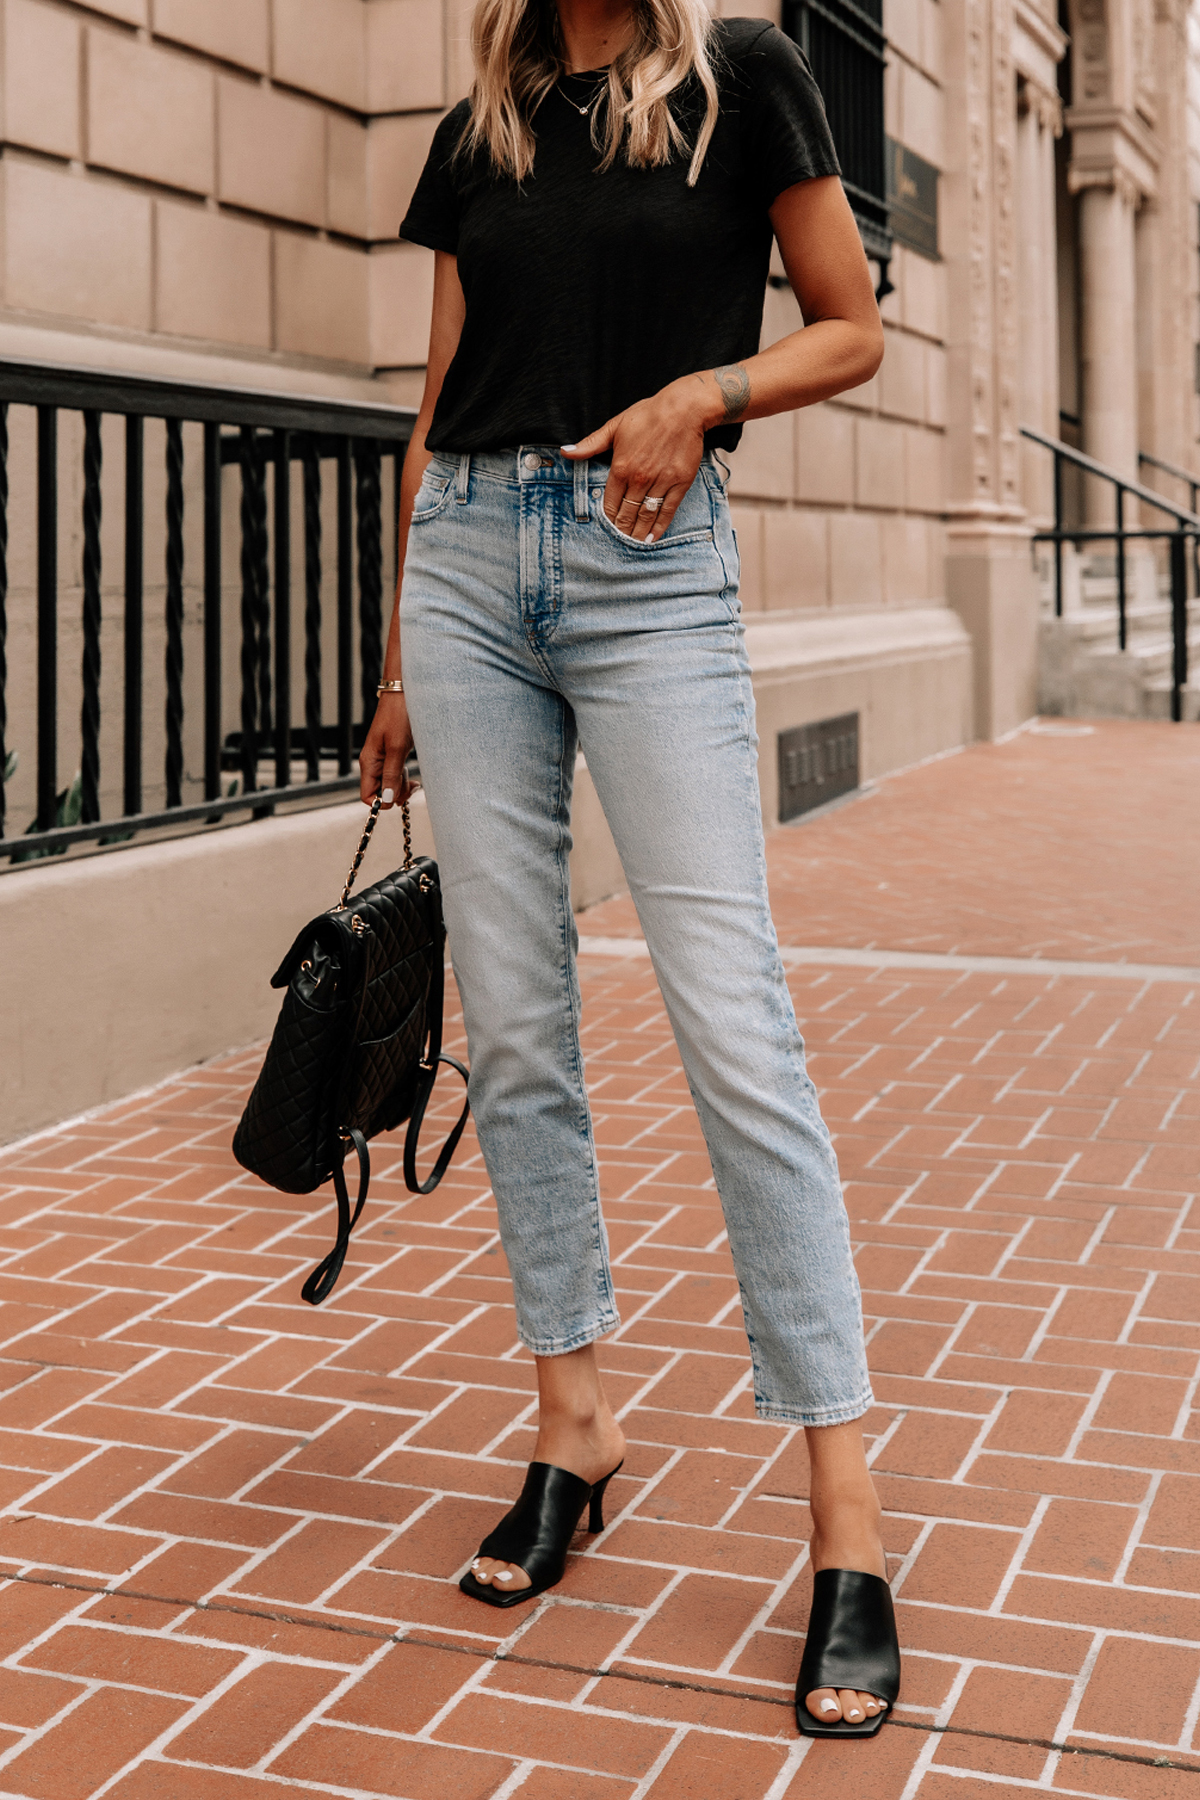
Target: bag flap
{"points": [[332, 932]]}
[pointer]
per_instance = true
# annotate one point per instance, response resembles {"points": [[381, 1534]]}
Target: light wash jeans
{"points": [[529, 624]]}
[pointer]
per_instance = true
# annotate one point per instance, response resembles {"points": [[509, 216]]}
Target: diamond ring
{"points": [[651, 504]]}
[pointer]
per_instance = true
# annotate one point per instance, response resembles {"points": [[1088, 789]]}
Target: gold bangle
{"points": [[389, 687]]}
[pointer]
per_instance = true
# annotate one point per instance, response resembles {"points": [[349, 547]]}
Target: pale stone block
{"points": [[855, 562], [795, 560], [76, 247], [935, 385], [905, 552], [150, 112], [41, 78], [771, 10], [272, 151], [396, 152], [765, 458], [825, 455], [922, 285], [459, 67], [347, 175], [238, 31], [781, 315], [320, 299], [405, 56], [213, 277], [401, 277], [922, 114], [879, 462], [902, 376], [902, 24], [933, 57], [892, 97], [320, 46], [748, 530], [923, 470], [864, 397], [133, 12]]}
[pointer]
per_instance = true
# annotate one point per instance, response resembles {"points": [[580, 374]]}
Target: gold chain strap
{"points": [[356, 865]]}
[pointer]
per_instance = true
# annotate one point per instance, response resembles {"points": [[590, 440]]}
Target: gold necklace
{"points": [[583, 111]]}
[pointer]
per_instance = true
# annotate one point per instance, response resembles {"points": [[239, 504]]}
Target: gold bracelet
{"points": [[390, 687]]}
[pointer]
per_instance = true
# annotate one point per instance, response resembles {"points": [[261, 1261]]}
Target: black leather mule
{"points": [[536, 1534], [851, 1643]]}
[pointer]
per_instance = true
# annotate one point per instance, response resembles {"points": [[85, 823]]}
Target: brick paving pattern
{"points": [[233, 1523]]}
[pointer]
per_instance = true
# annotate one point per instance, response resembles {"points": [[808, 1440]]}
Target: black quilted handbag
{"points": [[356, 1047]]}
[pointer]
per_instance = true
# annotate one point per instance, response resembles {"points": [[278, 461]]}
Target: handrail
{"points": [[1093, 467], [148, 396], [1185, 528], [1170, 468]]}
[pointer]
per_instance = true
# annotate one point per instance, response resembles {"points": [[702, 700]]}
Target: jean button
{"points": [[532, 461]]}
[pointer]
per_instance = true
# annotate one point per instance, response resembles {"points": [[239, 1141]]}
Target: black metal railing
{"points": [[1178, 536], [845, 43], [1189, 480], [220, 446]]}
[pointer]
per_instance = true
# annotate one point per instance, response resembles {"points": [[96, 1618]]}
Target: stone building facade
{"points": [[210, 189]]}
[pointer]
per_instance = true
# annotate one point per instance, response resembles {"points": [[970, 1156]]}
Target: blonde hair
{"points": [[519, 55]]}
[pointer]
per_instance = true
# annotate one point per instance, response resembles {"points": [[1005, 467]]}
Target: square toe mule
{"points": [[536, 1533], [851, 1643]]}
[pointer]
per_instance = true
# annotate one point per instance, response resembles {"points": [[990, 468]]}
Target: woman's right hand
{"points": [[385, 749]]}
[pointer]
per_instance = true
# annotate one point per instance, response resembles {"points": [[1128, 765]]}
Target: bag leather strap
{"points": [[429, 1068], [321, 1282]]}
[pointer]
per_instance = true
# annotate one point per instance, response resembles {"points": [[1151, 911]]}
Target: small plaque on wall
{"points": [[817, 763], [912, 195]]}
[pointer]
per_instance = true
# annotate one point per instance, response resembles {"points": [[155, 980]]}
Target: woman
{"points": [[601, 211]]}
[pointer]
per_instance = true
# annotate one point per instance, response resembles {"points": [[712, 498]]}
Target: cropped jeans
{"points": [[531, 626]]}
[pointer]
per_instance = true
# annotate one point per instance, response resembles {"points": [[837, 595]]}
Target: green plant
{"points": [[67, 808]]}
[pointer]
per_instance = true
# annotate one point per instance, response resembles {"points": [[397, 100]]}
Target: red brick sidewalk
{"points": [[233, 1522]]}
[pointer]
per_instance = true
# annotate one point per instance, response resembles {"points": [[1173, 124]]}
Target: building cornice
{"points": [[1112, 148], [1043, 33]]}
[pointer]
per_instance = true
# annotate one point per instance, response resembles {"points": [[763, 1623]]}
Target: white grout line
{"points": [[797, 956]]}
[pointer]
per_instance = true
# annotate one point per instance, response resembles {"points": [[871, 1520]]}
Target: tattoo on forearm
{"points": [[734, 384]]}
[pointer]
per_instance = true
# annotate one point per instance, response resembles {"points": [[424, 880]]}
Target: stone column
{"points": [[1108, 332], [989, 578], [1038, 122]]}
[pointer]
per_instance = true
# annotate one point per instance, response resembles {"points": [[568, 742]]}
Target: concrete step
{"points": [[1156, 699]]}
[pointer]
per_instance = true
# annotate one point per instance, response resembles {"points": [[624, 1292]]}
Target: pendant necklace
{"points": [[583, 111]]}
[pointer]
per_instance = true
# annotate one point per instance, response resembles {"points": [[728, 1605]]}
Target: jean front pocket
{"points": [[432, 495], [695, 529]]}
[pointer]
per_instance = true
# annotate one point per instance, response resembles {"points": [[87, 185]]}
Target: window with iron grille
{"points": [[844, 42]]}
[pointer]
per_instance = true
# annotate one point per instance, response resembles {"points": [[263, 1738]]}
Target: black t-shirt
{"points": [[587, 291]]}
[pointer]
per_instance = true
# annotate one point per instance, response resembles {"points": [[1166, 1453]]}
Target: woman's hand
{"points": [[385, 748], [656, 447]]}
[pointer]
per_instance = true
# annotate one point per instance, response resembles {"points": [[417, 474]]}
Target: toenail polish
{"points": [[829, 1706], [503, 1575], [853, 1713]]}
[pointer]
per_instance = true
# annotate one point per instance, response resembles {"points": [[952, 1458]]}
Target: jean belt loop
{"points": [[581, 490], [462, 484]]}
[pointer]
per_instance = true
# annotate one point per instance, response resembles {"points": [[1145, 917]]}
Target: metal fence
{"points": [[845, 43], [1181, 534], [314, 483]]}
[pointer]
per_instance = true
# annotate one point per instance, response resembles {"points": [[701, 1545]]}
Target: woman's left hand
{"points": [[657, 446]]}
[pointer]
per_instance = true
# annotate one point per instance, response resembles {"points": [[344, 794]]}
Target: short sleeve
{"points": [[788, 136], [433, 212]]}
